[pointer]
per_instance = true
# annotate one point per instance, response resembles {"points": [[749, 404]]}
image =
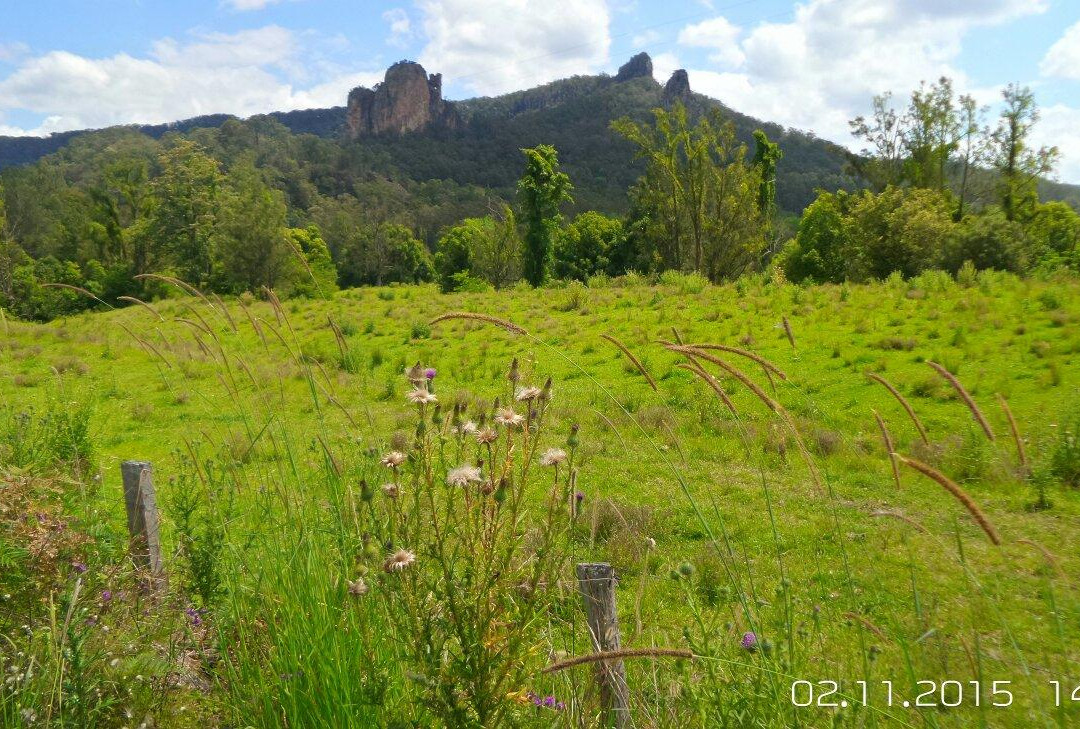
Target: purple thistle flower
{"points": [[106, 595], [579, 496], [430, 373], [749, 641], [79, 567]]}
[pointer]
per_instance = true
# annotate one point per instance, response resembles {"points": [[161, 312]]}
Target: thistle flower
{"points": [[749, 641], [463, 475], [106, 595], [467, 428], [429, 373], [393, 459], [507, 417], [552, 457], [399, 560], [487, 435], [79, 567], [390, 489], [513, 375], [415, 374], [421, 396], [526, 394], [358, 587]]}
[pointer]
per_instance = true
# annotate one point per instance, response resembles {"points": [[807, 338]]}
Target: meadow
{"points": [[773, 538]]}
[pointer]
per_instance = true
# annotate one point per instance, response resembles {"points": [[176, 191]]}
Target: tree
{"points": [[1054, 234], [1018, 165], [932, 131], [313, 274], [766, 156], [697, 193], [250, 231], [186, 206], [541, 190], [496, 249], [882, 162], [988, 240], [586, 246], [823, 242], [899, 230]]}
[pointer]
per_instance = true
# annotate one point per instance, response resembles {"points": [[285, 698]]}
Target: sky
{"points": [[811, 65]]}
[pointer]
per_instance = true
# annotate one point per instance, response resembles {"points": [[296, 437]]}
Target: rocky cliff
{"points": [[407, 100]]}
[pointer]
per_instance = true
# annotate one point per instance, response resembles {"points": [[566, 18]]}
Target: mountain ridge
{"points": [[468, 140]]}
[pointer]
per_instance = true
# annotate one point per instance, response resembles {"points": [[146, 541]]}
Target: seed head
{"points": [[421, 396], [358, 587], [507, 417], [399, 560], [391, 490], [393, 459], [552, 457], [463, 475], [487, 435], [527, 394]]}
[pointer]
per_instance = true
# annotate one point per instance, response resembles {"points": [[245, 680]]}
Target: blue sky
{"points": [[68, 64]]}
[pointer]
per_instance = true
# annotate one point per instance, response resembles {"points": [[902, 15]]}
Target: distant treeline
{"points": [[248, 206]]}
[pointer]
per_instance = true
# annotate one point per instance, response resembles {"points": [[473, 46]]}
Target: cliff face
{"points": [[407, 100], [677, 87]]}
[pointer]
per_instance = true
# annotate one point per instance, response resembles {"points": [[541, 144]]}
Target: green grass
{"points": [[834, 582]]}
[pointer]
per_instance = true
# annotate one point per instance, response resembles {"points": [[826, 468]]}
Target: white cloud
{"points": [[717, 34], [823, 67], [1057, 126], [400, 27], [239, 74], [246, 5], [664, 64], [501, 45], [1063, 58]]}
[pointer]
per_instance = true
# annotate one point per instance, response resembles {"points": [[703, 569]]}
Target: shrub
{"points": [[1065, 459]]}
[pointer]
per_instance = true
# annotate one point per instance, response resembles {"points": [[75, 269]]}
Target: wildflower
{"points": [[415, 374], [79, 567], [467, 428], [526, 394], [421, 396], [552, 457], [462, 475], [487, 435], [429, 373], [547, 702], [507, 417], [393, 459], [579, 496], [749, 641], [106, 595], [390, 489], [399, 560], [196, 617], [358, 587]]}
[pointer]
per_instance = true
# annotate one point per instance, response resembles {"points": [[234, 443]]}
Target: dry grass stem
{"points": [[619, 655], [502, 323], [889, 447], [902, 517], [735, 372], [975, 412], [712, 382], [903, 403], [633, 360], [954, 489], [787, 331], [766, 364], [1021, 455], [866, 623], [143, 304]]}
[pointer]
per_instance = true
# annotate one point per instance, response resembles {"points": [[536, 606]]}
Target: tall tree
{"points": [[251, 230], [1018, 164], [882, 161], [931, 131], [541, 190], [187, 198], [972, 146], [698, 193]]}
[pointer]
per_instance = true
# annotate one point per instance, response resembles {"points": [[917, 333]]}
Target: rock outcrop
{"points": [[407, 100], [637, 66], [678, 86]]}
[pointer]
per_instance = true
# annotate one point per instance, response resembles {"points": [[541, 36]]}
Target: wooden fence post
{"points": [[142, 515], [597, 583]]}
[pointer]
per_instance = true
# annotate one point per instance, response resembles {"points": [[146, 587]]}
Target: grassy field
{"points": [[262, 421]]}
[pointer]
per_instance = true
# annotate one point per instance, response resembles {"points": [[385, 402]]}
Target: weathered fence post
{"points": [[597, 583], [142, 515]]}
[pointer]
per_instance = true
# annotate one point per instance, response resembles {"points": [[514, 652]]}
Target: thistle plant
{"points": [[469, 533]]}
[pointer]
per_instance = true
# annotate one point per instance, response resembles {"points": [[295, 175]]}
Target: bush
{"points": [[988, 240], [1065, 460]]}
